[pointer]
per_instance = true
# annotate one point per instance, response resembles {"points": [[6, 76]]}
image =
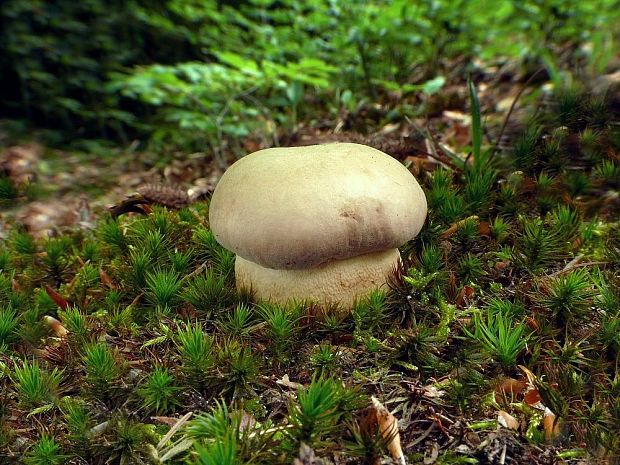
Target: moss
{"points": [[514, 276]]}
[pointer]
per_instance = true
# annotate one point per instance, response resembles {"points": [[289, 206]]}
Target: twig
{"points": [[424, 435], [574, 263], [200, 269], [511, 109], [428, 136]]}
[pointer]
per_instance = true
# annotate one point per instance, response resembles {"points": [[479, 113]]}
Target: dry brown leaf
{"points": [[465, 295], [388, 425], [170, 421], [455, 226], [510, 387], [551, 425], [507, 420], [106, 280], [55, 325], [286, 382], [57, 298], [532, 397]]}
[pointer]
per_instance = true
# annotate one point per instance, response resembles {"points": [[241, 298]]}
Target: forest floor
{"points": [[557, 401]]}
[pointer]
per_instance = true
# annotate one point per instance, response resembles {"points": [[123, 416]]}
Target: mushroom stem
{"points": [[335, 283]]}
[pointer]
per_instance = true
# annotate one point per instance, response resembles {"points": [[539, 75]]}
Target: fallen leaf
{"points": [[532, 397], [510, 387], [465, 295], [551, 425], [307, 456], [286, 382], [388, 425], [57, 298], [455, 226], [507, 420], [56, 326], [106, 280], [432, 392], [170, 421]]}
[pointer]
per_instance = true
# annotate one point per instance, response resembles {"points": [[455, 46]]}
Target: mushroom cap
{"points": [[298, 207], [337, 283]]}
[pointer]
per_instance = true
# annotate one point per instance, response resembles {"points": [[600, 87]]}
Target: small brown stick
{"points": [[511, 109], [574, 263]]}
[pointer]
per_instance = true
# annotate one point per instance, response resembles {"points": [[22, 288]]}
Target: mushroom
{"points": [[320, 223]]}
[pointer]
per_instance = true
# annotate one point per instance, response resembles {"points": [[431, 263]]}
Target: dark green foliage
{"points": [[577, 182], [55, 258], [46, 451], [222, 437], [324, 358], [237, 322], [159, 392], [564, 223], [477, 192], [207, 292], [34, 385], [76, 324], [8, 324], [569, 296], [369, 312], [281, 325], [195, 347], [536, 247], [128, 441], [524, 150], [470, 267], [500, 229], [568, 108], [8, 191], [315, 413], [163, 288], [467, 232], [101, 367], [23, 243], [112, 235], [500, 337], [79, 423], [239, 367]]}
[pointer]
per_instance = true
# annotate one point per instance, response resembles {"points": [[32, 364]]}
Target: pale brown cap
{"points": [[298, 207]]}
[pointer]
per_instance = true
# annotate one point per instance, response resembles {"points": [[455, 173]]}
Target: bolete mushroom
{"points": [[320, 223]]}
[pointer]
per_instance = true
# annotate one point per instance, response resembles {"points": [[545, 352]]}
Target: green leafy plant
{"points": [[112, 234], [207, 292], [76, 324], [315, 413], [222, 437], [163, 287], [324, 359], [102, 368], [470, 267], [281, 325], [536, 247], [370, 311], [36, 387], [237, 323], [195, 347], [46, 451], [503, 339], [8, 324], [79, 423], [568, 297], [159, 391], [239, 367]]}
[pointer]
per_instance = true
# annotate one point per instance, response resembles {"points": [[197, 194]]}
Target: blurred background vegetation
{"points": [[189, 74]]}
